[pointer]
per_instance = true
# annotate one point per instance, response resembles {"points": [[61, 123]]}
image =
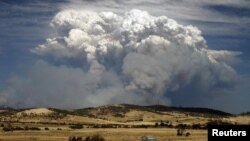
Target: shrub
{"points": [[180, 131], [26, 128], [75, 138], [7, 129], [46, 128], [79, 139], [188, 134], [182, 126], [196, 126], [88, 138], [156, 124], [95, 138], [72, 138], [18, 128], [162, 124], [76, 126], [34, 128], [218, 122]]}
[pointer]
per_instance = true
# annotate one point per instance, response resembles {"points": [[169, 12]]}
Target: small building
{"points": [[148, 138]]}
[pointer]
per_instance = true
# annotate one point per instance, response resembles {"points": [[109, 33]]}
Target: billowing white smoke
{"points": [[102, 58]]}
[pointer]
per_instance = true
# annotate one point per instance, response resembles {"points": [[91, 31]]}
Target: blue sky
{"points": [[22, 24], [224, 24]]}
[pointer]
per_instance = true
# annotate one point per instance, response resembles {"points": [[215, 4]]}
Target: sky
{"points": [[49, 58]]}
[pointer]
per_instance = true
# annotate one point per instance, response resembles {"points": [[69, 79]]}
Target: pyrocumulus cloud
{"points": [[103, 58]]}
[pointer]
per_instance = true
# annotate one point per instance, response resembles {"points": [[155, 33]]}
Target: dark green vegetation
{"points": [[96, 137], [120, 111], [191, 110]]}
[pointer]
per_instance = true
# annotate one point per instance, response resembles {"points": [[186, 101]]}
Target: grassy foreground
{"points": [[119, 134]]}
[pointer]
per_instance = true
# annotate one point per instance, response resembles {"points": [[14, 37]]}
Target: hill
{"points": [[120, 110], [205, 111], [122, 114], [36, 111]]}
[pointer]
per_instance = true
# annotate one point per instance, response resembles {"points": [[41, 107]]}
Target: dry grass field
{"points": [[113, 122], [119, 134]]}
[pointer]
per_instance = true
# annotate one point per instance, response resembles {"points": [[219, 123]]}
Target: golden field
{"points": [[120, 134], [113, 122]]}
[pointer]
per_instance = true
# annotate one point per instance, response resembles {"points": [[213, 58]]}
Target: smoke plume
{"points": [[104, 58]]}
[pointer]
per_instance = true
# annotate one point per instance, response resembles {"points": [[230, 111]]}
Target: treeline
{"points": [[52, 116], [9, 127], [204, 112], [160, 124]]}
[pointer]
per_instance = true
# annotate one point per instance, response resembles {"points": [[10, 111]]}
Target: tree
{"points": [[156, 124], [188, 134], [180, 131]]}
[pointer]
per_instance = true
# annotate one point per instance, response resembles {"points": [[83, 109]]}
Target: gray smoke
{"points": [[103, 58]]}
